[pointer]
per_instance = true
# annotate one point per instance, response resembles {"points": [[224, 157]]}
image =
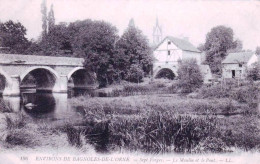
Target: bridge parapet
{"points": [[13, 59]]}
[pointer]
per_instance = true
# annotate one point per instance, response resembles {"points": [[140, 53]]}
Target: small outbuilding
{"points": [[236, 64]]}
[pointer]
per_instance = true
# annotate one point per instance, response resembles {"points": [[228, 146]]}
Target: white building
{"points": [[170, 51], [236, 64]]}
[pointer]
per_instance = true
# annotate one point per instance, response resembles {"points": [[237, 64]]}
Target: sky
{"points": [[179, 18]]}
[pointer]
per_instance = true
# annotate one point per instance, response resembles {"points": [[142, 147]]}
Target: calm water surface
{"points": [[43, 106]]}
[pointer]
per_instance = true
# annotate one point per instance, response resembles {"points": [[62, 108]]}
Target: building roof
{"points": [[238, 57], [181, 43], [40, 60]]}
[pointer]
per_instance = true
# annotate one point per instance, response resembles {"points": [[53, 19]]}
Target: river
{"points": [[42, 106]]}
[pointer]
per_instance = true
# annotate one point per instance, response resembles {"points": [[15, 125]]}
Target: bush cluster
{"points": [[244, 93]]}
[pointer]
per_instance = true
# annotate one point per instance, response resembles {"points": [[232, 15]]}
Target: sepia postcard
{"points": [[130, 81]]}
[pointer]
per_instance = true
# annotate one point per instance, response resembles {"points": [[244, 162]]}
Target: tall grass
{"points": [[176, 124], [15, 132], [160, 133], [152, 132], [135, 105]]}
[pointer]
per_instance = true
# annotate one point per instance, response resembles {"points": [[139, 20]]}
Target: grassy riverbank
{"points": [[156, 123], [171, 123]]}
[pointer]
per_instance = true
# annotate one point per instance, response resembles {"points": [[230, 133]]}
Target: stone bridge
{"points": [[47, 73], [163, 69]]}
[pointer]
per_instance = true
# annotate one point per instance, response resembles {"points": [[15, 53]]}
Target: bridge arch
{"points": [[74, 70], [165, 72], [80, 78], [45, 78]]}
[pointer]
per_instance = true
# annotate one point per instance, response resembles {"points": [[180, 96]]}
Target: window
{"points": [[169, 52], [240, 65], [169, 42]]}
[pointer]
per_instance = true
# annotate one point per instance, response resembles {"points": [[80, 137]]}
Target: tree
{"points": [[51, 19], [95, 40], [57, 42], [12, 35], [253, 73], [189, 76], [257, 51], [218, 41], [132, 48], [44, 18]]}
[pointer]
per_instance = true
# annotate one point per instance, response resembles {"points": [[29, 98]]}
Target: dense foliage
{"points": [[253, 73], [110, 57], [132, 52], [218, 41], [190, 77], [94, 41], [243, 92], [12, 37], [135, 73]]}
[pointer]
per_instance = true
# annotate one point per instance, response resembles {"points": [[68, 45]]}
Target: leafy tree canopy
{"points": [[12, 35], [95, 40], [55, 43], [132, 48], [218, 41]]}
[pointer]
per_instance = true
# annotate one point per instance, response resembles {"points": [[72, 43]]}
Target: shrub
{"points": [[247, 94], [253, 73], [190, 77], [135, 73], [216, 91]]}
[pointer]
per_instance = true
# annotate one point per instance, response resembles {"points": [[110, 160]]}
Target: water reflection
{"points": [[35, 104], [44, 106]]}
